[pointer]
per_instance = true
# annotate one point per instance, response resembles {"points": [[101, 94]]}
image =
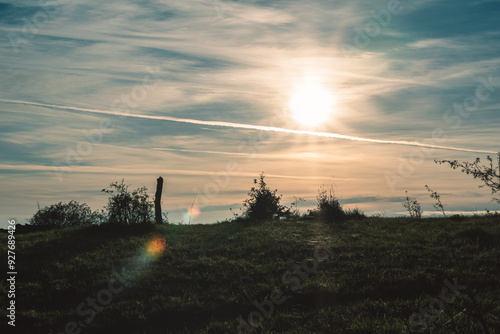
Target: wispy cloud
{"points": [[250, 127]]}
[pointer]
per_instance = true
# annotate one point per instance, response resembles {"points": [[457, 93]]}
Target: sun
{"points": [[312, 104]]}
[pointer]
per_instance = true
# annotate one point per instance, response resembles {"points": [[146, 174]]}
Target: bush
{"points": [[64, 215], [263, 203], [355, 214], [329, 207], [128, 208], [413, 207]]}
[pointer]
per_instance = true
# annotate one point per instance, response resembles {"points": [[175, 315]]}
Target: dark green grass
{"points": [[383, 270]]}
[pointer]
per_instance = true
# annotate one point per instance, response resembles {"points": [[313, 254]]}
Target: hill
{"points": [[374, 275]]}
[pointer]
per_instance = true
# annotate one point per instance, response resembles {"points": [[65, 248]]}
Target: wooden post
{"points": [[159, 189]]}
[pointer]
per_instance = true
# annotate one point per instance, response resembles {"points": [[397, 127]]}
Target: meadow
{"points": [[367, 275]]}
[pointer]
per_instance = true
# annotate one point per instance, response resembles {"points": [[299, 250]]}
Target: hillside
{"points": [[367, 276]]}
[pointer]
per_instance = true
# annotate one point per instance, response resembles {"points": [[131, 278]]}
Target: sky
{"points": [[201, 93]]}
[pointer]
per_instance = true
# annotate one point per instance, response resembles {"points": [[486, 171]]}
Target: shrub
{"points": [[413, 207], [263, 203], [128, 208], [355, 214], [329, 207], [64, 215]]}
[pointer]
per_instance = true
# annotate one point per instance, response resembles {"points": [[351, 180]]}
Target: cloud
{"points": [[432, 43], [250, 127], [372, 199]]}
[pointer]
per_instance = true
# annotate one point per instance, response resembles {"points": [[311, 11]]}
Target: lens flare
{"points": [[192, 213], [156, 246], [133, 270]]}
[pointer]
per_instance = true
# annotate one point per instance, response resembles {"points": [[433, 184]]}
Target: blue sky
{"points": [[93, 92]]}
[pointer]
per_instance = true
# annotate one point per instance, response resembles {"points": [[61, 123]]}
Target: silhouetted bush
{"points": [[128, 208], [355, 213], [413, 207], [329, 208], [65, 214], [263, 203]]}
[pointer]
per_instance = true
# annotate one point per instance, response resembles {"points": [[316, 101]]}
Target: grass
{"points": [[380, 272]]}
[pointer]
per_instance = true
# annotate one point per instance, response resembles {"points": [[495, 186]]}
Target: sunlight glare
{"points": [[311, 104]]}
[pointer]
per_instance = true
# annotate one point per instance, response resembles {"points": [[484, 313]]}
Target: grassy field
{"points": [[366, 276]]}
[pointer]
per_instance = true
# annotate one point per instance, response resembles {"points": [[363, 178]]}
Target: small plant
{"points": [[263, 203], [489, 174], [128, 208], [64, 215], [296, 211], [438, 205], [329, 207], [413, 207]]}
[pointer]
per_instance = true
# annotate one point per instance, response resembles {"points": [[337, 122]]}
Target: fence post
{"points": [[159, 189]]}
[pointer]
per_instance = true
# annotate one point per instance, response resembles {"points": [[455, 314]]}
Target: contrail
{"points": [[248, 127]]}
